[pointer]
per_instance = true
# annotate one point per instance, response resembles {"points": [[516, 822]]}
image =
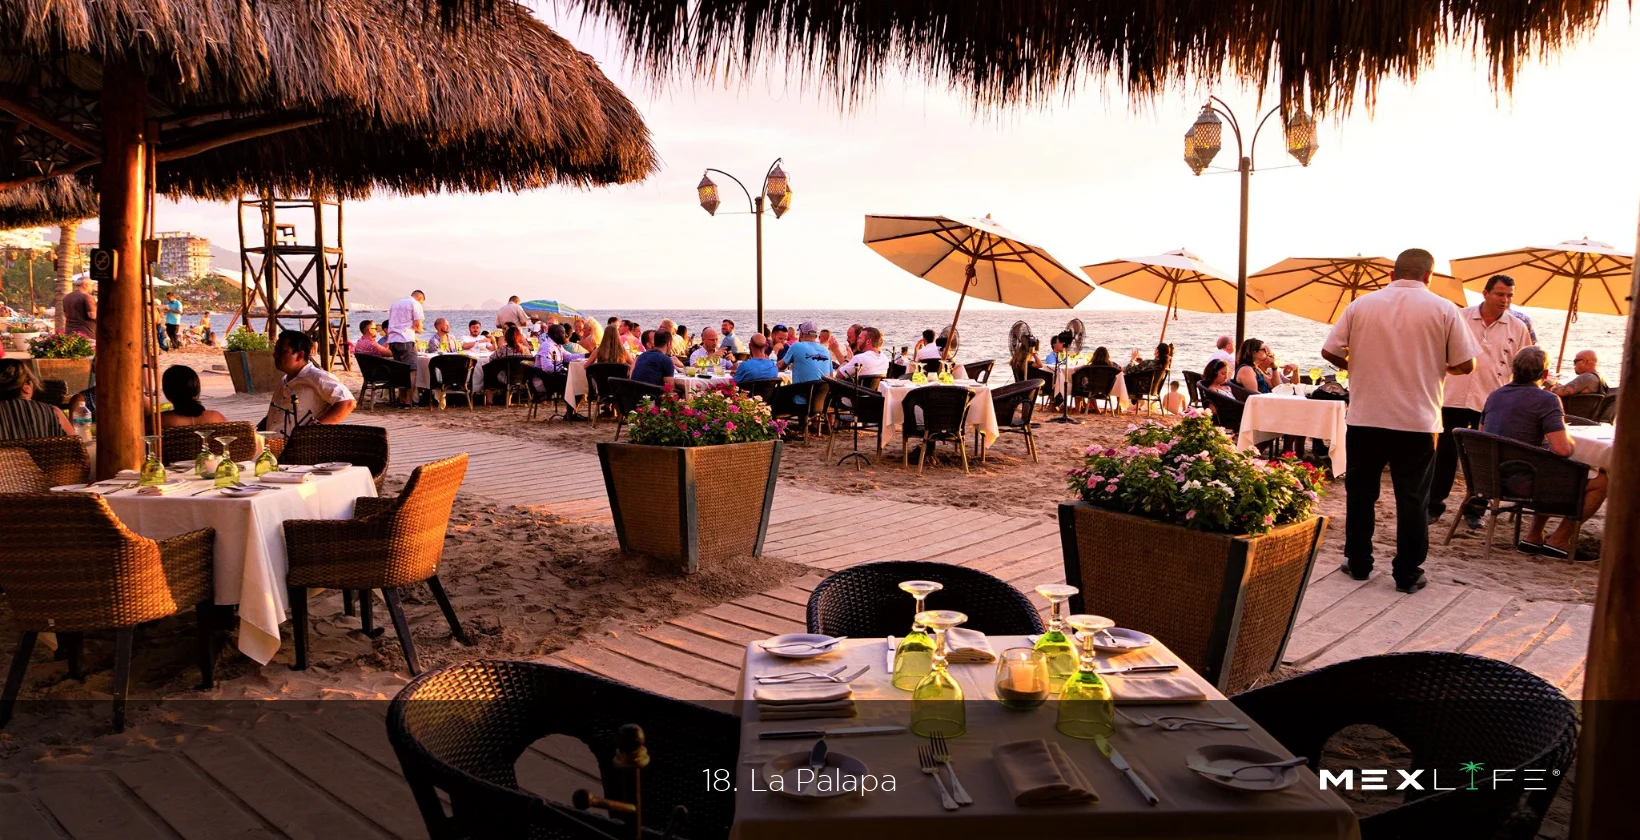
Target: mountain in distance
{"points": [[490, 303]]}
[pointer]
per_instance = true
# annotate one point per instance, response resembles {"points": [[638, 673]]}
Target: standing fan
{"points": [[953, 340], [1072, 340], [1076, 330], [1019, 336]]}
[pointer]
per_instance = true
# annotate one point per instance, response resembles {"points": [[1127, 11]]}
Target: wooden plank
{"points": [[775, 607], [1467, 615], [288, 802], [718, 651], [571, 753], [1001, 550], [993, 527], [767, 624], [1515, 631], [1350, 613], [21, 819], [189, 803], [1388, 630], [688, 665], [791, 595], [1324, 593], [363, 730], [1563, 652], [724, 631], [380, 797], [88, 805], [610, 664]]}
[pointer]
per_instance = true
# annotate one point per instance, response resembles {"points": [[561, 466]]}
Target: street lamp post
{"points": [[1202, 143], [776, 192]]}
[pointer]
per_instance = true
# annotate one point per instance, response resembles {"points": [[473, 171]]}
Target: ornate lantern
{"points": [[1202, 141], [1300, 132], [784, 203], [708, 194], [776, 185]]}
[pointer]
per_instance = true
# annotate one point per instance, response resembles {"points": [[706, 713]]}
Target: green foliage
{"points": [[61, 346], [245, 338], [22, 326], [709, 418], [14, 282], [1191, 474]]}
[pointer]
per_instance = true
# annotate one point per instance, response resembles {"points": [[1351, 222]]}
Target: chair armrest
{"points": [[187, 562], [365, 506]]}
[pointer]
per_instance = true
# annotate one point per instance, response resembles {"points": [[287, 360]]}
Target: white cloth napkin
{"points": [[166, 489], [283, 478], [128, 475], [1041, 773], [967, 647], [1147, 690], [794, 702]]}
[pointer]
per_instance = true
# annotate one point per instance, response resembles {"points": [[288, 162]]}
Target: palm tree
{"points": [[1470, 767], [68, 247]]}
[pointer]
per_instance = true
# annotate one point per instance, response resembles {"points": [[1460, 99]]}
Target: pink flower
{"points": [[1189, 516], [1111, 487], [728, 427], [1269, 518], [734, 409], [654, 409]]}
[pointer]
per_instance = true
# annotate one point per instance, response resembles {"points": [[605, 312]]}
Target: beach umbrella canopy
{"points": [[1176, 280], [1318, 288], [978, 258], [1578, 275], [549, 307]]}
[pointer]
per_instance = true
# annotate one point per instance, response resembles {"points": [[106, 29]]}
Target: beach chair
{"points": [[459, 732], [62, 458], [390, 543], [1093, 383], [853, 408], [626, 394], [181, 443], [598, 393], [449, 373], [1514, 477], [69, 566], [1586, 406], [1014, 404], [865, 601], [361, 446], [381, 374], [979, 371], [1448, 709], [934, 413]]}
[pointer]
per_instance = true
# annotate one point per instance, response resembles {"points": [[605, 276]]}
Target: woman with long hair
{"points": [[1101, 356], [1216, 377], [514, 344], [180, 384], [1255, 367], [22, 416], [611, 350]]}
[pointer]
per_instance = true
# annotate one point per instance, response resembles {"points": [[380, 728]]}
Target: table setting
{"points": [[1008, 735], [981, 411], [424, 378], [1592, 445], [1269, 416]]}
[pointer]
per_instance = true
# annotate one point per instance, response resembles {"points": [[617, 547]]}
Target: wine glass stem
{"points": [[939, 650], [1054, 623], [1087, 653], [915, 625]]}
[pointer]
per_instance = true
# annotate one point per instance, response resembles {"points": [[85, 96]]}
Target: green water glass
{"points": [[1087, 710], [266, 463], [937, 702], [227, 472], [1054, 644], [914, 658], [153, 472]]}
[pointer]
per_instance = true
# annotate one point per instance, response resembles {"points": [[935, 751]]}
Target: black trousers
{"points": [[1410, 457], [1446, 455]]}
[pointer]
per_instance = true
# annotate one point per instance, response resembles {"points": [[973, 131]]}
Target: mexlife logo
{"points": [[1466, 779]]}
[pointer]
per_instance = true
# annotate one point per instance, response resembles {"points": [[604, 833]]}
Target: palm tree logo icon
{"points": [[1470, 767]]}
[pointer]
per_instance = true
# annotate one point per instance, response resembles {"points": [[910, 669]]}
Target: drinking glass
{"points": [[1055, 646], [153, 472], [1343, 377], [1022, 678], [205, 461], [915, 656], [1086, 708], [266, 462], [1315, 376], [227, 472], [936, 703]]}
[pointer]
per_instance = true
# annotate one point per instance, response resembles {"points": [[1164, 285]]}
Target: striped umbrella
{"points": [[550, 307]]}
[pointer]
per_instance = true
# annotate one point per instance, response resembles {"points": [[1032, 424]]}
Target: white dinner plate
{"points": [[793, 769], [797, 653], [1125, 639], [332, 466], [1231, 756]]}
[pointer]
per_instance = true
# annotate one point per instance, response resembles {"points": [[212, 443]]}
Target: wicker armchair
{"points": [[451, 373], [505, 376], [459, 731], [365, 446], [391, 543], [1145, 385], [548, 387], [1518, 478], [897, 369], [979, 371], [1586, 406], [626, 394], [69, 566], [801, 402], [1094, 382], [383, 374], [1448, 709], [853, 408], [180, 443], [61, 458], [932, 365], [865, 601], [934, 413], [1226, 410], [598, 376], [763, 389], [1608, 409], [1014, 405], [19, 473], [1193, 387]]}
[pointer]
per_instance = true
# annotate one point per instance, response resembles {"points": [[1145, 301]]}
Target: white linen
{"points": [[1293, 389], [1267, 416], [577, 387], [981, 412], [424, 377], [1399, 342], [1592, 445], [690, 384], [250, 539]]}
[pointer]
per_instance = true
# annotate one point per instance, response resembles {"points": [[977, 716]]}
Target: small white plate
{"points": [[1126, 640], [793, 768], [182, 465], [243, 489], [797, 653], [332, 466], [1231, 756]]}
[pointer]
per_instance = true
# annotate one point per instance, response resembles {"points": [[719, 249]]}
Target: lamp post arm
{"points": [[1252, 147], [750, 203], [1223, 110]]}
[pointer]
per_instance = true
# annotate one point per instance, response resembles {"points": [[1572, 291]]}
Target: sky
{"points": [[1446, 164]]}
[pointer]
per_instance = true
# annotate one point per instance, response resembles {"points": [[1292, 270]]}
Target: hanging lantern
{"points": [[1300, 132], [1202, 141], [708, 194], [776, 185], [784, 203]]}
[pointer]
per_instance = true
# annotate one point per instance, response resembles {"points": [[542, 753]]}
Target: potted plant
{"points": [[64, 356], [250, 362], [686, 484], [21, 332], [1179, 534]]}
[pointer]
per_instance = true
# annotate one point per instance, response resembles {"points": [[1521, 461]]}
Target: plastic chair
{"points": [[1014, 404], [934, 413], [865, 601]]}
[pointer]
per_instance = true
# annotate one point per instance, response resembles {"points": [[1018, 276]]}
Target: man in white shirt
{"points": [[1222, 352], [552, 357], [1399, 344], [930, 348], [868, 362], [305, 394], [1500, 335], [511, 313], [708, 349], [476, 340], [404, 319]]}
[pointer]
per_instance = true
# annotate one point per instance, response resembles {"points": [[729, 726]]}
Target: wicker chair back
{"points": [[865, 601], [181, 443], [61, 458]]}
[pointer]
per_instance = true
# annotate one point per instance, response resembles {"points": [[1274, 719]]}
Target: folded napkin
{"points": [[161, 489], [1146, 690], [282, 478], [128, 475], [1041, 773], [793, 702], [967, 647]]}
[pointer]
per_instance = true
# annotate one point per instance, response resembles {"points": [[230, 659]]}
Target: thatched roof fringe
{"points": [[50, 202]]}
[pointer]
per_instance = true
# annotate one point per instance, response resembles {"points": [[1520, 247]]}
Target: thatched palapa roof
{"points": [[342, 96], [49, 202], [1008, 52]]}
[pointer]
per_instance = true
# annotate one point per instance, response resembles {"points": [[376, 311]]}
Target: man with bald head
{"points": [[1587, 380]]}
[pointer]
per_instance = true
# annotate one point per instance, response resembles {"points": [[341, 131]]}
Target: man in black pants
{"points": [[1399, 344]]}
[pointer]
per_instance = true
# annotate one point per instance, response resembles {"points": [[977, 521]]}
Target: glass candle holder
{"points": [[1022, 678]]}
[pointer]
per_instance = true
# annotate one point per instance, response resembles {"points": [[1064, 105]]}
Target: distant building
{"points": [[182, 254]]}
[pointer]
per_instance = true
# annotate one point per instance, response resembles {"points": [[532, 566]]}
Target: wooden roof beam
{"points": [[45, 122]]}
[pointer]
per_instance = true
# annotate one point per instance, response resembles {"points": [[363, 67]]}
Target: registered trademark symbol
{"points": [[1556, 772]]}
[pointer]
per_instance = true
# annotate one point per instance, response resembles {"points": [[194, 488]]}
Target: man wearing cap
{"points": [[807, 359]]}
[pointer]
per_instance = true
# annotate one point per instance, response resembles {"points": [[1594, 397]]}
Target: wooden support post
{"points": [[1605, 805], [121, 321]]}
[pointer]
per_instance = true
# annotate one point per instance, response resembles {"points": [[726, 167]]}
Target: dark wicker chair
{"points": [[19, 473], [800, 402], [869, 383], [853, 408], [932, 365], [61, 458], [898, 370], [1043, 375], [1608, 409], [1518, 478], [979, 371], [1241, 394], [451, 373], [1193, 387], [865, 601], [181, 443], [52, 392], [390, 543], [382, 374], [1226, 410], [599, 394], [1014, 404], [1145, 386], [1574, 420], [460, 730], [1094, 383], [1448, 709], [626, 394], [543, 387], [1586, 406], [934, 413], [763, 389], [505, 376], [69, 566], [365, 446]]}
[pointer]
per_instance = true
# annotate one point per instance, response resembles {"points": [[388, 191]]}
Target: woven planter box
{"points": [[1226, 605], [75, 372], [252, 371], [691, 504]]}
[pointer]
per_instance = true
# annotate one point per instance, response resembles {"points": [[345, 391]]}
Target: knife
{"points": [[1121, 764], [821, 733], [1139, 669]]}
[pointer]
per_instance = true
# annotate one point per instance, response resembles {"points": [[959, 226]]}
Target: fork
{"points": [[832, 677], [798, 675], [1174, 723], [925, 760], [942, 754]]}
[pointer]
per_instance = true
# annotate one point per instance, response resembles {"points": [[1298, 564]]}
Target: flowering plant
{"points": [[709, 418], [22, 326], [61, 346], [1191, 474], [246, 339]]}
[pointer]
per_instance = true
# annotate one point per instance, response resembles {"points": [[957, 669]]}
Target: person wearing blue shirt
{"points": [[730, 342], [808, 360], [654, 367], [758, 365], [173, 320], [1053, 357]]}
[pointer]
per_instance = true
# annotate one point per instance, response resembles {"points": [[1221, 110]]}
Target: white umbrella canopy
{"points": [[1318, 288], [977, 258], [1177, 280], [1578, 275]]}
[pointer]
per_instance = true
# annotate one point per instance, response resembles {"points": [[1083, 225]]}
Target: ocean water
{"points": [[984, 333]]}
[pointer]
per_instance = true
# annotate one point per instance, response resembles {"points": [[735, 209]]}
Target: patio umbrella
{"points": [[976, 257], [1176, 280], [1318, 288], [550, 307], [1578, 275]]}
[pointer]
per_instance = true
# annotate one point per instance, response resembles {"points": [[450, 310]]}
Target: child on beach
{"points": [[1174, 403]]}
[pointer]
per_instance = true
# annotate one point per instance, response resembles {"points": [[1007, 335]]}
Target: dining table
{"points": [[981, 411], [1188, 805], [1269, 416], [1592, 445], [249, 560], [424, 378]]}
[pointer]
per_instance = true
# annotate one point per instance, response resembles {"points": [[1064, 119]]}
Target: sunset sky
{"points": [[1443, 164]]}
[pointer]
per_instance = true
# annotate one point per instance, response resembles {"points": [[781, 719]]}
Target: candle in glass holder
{"points": [[1022, 678]]}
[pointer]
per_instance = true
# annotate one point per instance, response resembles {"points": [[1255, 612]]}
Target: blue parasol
{"points": [[549, 307]]}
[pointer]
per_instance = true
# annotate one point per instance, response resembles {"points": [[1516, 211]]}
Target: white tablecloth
{"points": [[1592, 445], [1118, 390], [1293, 389], [1268, 416], [576, 388], [694, 384], [250, 539], [981, 413], [423, 378]]}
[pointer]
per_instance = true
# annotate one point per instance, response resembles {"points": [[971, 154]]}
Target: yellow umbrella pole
{"points": [[1571, 315], [969, 280], [1172, 307]]}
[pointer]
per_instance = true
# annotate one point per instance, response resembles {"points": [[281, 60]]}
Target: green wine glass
{"points": [[1315, 376], [1054, 644], [153, 472], [914, 658], [1343, 376], [1086, 708], [227, 472], [266, 463], [205, 461], [936, 702]]}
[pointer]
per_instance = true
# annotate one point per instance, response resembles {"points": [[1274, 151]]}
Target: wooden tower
{"points": [[290, 251]]}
